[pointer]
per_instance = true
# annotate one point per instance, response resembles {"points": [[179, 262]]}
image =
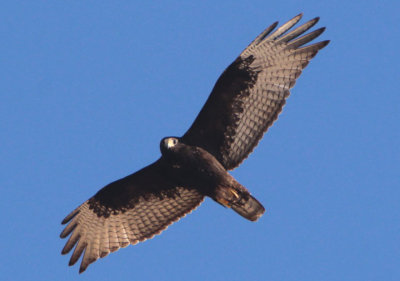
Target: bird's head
{"points": [[167, 144]]}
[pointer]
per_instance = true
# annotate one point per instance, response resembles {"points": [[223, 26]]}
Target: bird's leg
{"points": [[223, 202], [240, 200], [234, 193], [227, 196]]}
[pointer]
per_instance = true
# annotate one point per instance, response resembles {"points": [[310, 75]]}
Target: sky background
{"points": [[88, 89]]}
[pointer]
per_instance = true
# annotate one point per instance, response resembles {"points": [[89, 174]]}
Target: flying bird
{"points": [[245, 101]]}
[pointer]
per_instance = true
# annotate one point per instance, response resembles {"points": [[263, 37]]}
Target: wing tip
{"points": [[321, 29], [313, 21], [64, 251], [70, 216], [321, 45], [80, 248], [85, 264], [324, 43], [299, 16]]}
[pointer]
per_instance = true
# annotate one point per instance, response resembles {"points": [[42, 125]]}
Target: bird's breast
{"points": [[196, 167]]}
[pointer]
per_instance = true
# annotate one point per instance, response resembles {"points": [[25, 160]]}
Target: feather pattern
{"points": [[99, 227], [251, 92], [245, 101]]}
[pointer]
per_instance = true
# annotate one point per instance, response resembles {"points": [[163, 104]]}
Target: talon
{"points": [[223, 202], [234, 193]]}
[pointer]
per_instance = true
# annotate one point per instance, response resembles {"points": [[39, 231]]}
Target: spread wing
{"points": [[125, 212], [250, 93]]}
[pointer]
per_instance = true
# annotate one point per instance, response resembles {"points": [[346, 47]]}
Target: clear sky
{"points": [[88, 89]]}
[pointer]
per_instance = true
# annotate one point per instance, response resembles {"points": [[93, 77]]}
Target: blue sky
{"points": [[88, 89]]}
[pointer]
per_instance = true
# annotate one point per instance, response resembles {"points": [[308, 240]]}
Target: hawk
{"points": [[245, 101]]}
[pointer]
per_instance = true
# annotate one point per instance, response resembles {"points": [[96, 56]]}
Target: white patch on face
{"points": [[171, 142]]}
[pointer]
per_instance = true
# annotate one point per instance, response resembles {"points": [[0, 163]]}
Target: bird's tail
{"points": [[240, 200], [250, 209]]}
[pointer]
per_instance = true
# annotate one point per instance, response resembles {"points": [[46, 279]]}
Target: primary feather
{"points": [[251, 92]]}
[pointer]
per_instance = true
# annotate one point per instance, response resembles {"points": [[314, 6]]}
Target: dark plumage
{"points": [[244, 103]]}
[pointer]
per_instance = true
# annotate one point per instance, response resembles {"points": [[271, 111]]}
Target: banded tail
{"points": [[240, 201], [251, 209]]}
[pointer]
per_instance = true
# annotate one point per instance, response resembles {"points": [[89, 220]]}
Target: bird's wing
{"points": [[125, 212], [250, 93]]}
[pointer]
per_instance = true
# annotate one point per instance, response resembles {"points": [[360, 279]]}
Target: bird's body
{"points": [[194, 167], [245, 101]]}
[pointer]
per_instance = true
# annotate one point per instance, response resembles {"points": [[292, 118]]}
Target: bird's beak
{"points": [[170, 143]]}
